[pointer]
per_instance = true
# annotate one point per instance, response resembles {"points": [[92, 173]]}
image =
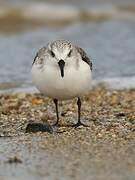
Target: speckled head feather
{"points": [[61, 46]]}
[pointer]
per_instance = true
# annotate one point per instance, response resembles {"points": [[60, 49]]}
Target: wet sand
{"points": [[105, 149]]}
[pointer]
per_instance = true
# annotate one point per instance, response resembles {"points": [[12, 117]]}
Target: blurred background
{"points": [[104, 28]]}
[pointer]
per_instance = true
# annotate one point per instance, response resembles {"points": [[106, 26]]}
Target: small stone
{"points": [[21, 95], [14, 159], [121, 114], [36, 127]]}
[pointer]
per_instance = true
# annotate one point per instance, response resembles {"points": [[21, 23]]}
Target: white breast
{"points": [[76, 82]]}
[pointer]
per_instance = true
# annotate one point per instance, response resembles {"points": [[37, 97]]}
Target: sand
{"points": [[104, 150]]}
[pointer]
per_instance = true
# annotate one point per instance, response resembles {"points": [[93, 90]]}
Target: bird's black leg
{"points": [[79, 123], [57, 113]]}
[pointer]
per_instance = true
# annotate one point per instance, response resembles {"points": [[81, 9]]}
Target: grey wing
{"points": [[84, 56], [39, 54]]}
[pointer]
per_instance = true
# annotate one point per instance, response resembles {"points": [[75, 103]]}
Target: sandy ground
{"points": [[104, 150]]}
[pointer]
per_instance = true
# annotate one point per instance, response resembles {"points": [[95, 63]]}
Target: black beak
{"points": [[61, 64]]}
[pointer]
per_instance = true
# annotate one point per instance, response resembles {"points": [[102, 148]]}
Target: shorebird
{"points": [[62, 71]]}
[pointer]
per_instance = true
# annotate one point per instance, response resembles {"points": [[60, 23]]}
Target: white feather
{"points": [[76, 81]]}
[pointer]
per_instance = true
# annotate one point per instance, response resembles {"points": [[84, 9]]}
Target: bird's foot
{"points": [[56, 125], [79, 124]]}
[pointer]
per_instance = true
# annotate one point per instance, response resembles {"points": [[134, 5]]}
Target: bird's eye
{"points": [[69, 54], [52, 54]]}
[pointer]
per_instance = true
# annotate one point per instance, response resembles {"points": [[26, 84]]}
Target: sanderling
{"points": [[62, 71]]}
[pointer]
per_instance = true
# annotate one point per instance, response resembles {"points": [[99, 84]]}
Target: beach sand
{"points": [[104, 150]]}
